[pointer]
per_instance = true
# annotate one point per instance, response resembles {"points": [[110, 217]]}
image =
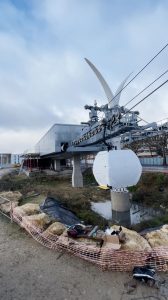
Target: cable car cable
{"points": [[146, 88], [138, 73]]}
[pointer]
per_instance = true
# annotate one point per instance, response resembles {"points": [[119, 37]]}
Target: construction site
{"points": [[83, 150], [96, 191]]}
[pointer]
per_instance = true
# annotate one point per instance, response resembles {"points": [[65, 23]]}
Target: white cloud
{"points": [[43, 77], [20, 140]]}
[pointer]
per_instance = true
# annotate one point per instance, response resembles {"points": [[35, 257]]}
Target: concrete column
{"points": [[57, 165], [120, 201], [77, 177], [122, 218], [21, 167]]}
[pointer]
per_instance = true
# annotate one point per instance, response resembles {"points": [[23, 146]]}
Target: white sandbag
{"points": [[7, 206], [27, 209], [56, 228], [11, 196], [157, 238], [165, 228], [9, 200], [133, 240], [19, 211], [40, 221]]}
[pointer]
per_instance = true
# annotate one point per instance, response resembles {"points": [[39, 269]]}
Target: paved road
{"points": [[31, 272], [155, 169]]}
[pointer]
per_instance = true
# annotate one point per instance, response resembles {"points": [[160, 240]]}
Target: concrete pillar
{"points": [[77, 177], [21, 167], [120, 201], [122, 218], [57, 165]]}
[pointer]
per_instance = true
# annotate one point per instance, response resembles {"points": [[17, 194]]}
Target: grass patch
{"points": [[152, 190], [78, 200], [88, 177], [92, 218], [158, 221]]}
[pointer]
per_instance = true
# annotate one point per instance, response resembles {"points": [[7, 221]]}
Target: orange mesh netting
{"points": [[107, 259]]}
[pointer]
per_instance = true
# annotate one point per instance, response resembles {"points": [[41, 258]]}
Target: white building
{"points": [[9, 160]]}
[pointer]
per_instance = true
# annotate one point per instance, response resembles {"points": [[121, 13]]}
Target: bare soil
{"points": [[30, 271]]}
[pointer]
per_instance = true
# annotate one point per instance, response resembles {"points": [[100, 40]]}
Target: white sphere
{"points": [[117, 168]]}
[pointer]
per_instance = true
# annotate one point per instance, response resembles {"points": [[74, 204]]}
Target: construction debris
{"points": [[57, 211], [117, 248], [144, 274]]}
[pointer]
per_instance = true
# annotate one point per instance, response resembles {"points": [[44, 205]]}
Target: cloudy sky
{"points": [[43, 76]]}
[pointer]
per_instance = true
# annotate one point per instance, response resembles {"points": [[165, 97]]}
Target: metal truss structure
{"points": [[118, 123]]}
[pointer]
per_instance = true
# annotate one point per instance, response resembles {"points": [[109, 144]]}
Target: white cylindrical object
{"points": [[117, 168], [120, 201]]}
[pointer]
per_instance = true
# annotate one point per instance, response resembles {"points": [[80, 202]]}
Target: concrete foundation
{"points": [[122, 218], [77, 177], [120, 201], [57, 166]]}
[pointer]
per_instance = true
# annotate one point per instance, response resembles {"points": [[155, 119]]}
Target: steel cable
{"points": [[138, 73]]}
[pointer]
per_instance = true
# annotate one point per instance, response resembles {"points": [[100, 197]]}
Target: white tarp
{"points": [[117, 168]]}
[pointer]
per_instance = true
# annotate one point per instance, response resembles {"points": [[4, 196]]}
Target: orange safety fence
{"points": [[105, 258]]}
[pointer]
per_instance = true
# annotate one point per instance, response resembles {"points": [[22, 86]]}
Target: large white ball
{"points": [[117, 168]]}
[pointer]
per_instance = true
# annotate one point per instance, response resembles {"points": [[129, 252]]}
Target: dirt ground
{"points": [[30, 271]]}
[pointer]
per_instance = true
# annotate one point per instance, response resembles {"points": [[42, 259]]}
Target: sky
{"points": [[44, 78]]}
